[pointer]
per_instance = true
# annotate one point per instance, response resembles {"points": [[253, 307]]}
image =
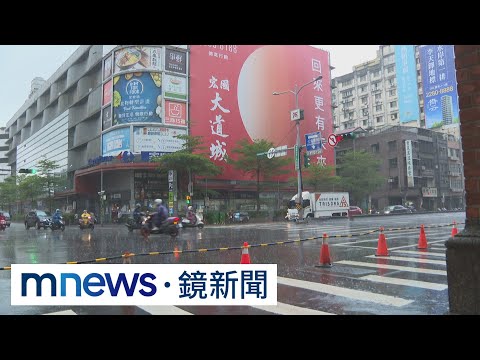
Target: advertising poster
{"points": [[106, 117], [231, 98], [137, 97], [107, 67], [406, 67], [115, 141], [107, 93], [175, 113], [155, 138], [437, 63], [138, 58], [174, 87], [176, 61], [409, 159]]}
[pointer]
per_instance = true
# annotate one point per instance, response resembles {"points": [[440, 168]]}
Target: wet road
{"points": [[408, 281]]}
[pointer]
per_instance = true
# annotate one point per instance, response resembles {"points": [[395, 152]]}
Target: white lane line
{"points": [[350, 245], [164, 310], [64, 312], [405, 282], [287, 309], [392, 267], [420, 253], [410, 259], [345, 292]]}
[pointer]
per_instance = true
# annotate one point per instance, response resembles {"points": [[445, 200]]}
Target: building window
{"points": [[379, 107], [379, 119], [392, 145], [375, 148], [391, 69], [363, 77], [392, 163], [393, 104], [376, 73], [349, 103], [365, 112], [364, 100], [394, 116], [363, 88], [364, 123], [391, 81], [378, 97], [347, 93], [392, 92]]}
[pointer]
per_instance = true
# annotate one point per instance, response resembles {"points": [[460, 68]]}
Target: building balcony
{"points": [[454, 173]]}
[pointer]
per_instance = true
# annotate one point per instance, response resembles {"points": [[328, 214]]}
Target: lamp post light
{"points": [[295, 92]]}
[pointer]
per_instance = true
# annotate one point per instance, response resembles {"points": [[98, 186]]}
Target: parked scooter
{"points": [[186, 223], [168, 227], [86, 223]]}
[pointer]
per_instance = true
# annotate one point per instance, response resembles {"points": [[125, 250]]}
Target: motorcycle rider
{"points": [[137, 212], [57, 216], [191, 215], [85, 216], [160, 215]]}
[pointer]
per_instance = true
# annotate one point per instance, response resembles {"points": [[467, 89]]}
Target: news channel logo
{"points": [[142, 284]]}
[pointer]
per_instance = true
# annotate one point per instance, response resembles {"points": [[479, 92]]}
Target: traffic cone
{"points": [[382, 244], [422, 240], [126, 257], [245, 256], [324, 253], [454, 229]]}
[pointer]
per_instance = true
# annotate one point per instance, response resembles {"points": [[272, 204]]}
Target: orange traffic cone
{"points": [[454, 229], [422, 240], [325, 253], [245, 256], [382, 244], [126, 257]]}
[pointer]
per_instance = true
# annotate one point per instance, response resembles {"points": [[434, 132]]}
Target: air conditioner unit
{"points": [[423, 167]]}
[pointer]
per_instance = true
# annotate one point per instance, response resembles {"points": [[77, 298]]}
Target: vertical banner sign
{"points": [[407, 83], [439, 81], [171, 190], [409, 159]]}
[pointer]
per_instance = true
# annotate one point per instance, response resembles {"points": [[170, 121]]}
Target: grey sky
{"points": [[21, 63]]}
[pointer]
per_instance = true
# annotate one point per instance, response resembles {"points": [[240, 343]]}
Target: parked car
{"points": [[396, 209], [38, 219], [354, 210], [7, 217], [241, 216]]}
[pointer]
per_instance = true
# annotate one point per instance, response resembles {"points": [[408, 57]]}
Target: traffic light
{"points": [[350, 135], [188, 199], [306, 160], [27, 171]]}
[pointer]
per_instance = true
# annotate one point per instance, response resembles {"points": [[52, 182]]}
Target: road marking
{"points": [[410, 259], [345, 292], [287, 309], [436, 249], [350, 245], [164, 310], [405, 282], [64, 312], [392, 267], [420, 253]]}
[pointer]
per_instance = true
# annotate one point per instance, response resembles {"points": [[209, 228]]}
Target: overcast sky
{"points": [[19, 64]]}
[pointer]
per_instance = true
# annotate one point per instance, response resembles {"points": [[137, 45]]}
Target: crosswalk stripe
{"points": [[392, 267], [164, 310], [287, 309], [405, 282], [410, 259], [420, 252], [64, 312], [345, 292]]}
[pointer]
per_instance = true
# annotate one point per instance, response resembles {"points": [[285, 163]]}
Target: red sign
{"points": [[231, 97], [107, 93], [175, 113]]}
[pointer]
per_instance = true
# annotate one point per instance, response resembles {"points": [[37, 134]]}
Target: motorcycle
{"points": [[3, 224], [168, 227], [86, 223], [131, 224], [57, 225], [186, 223]]}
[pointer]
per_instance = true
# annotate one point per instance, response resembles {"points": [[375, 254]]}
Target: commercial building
{"points": [[4, 168]]}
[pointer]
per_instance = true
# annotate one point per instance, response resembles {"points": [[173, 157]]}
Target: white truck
{"points": [[320, 204]]}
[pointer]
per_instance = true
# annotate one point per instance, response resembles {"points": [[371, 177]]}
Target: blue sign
{"points": [[115, 141], [439, 82], [148, 155], [313, 141], [406, 70], [137, 98]]}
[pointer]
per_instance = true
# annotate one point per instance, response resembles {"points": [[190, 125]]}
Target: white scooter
{"points": [[188, 224]]}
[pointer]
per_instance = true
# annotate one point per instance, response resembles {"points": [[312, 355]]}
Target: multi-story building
{"points": [[420, 166], [4, 168]]}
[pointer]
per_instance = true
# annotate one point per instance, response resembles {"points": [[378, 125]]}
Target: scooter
{"points": [[168, 227], [59, 225], [86, 223], [186, 223], [131, 224]]}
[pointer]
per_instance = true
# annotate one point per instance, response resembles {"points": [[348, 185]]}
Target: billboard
{"points": [[406, 69], [115, 141], [137, 97], [175, 61], [174, 87], [137, 58], [437, 63], [231, 97], [175, 113], [409, 160], [107, 93], [155, 138]]}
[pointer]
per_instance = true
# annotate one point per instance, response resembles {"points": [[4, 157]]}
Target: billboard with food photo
{"points": [[135, 58], [137, 97], [231, 97]]}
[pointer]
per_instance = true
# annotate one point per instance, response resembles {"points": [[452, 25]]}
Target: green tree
{"points": [[50, 179], [30, 188], [260, 167], [359, 175], [192, 160], [321, 178], [8, 193]]}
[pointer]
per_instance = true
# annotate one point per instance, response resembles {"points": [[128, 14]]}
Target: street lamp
{"points": [[295, 92]]}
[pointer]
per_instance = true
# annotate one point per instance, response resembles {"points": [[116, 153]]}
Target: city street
{"points": [[408, 281]]}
